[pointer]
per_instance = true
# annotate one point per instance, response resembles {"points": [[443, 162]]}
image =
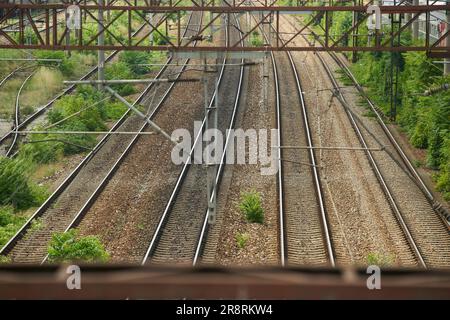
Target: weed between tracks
{"points": [[251, 206]]}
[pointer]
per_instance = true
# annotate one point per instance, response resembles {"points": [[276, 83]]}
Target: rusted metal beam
{"points": [[175, 44], [233, 9], [168, 282], [223, 48]]}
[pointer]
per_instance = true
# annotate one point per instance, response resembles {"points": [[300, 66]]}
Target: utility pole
{"points": [[415, 24], [355, 32], [211, 163], [101, 41], [447, 43], [408, 16]]}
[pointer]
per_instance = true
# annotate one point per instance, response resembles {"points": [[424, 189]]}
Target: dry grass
{"points": [[44, 84], [7, 97]]}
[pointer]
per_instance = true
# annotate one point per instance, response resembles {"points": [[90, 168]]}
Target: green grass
{"points": [[70, 247], [10, 223], [379, 259], [251, 206], [241, 239]]}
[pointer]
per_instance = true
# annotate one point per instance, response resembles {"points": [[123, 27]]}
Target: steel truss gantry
{"points": [[40, 26]]}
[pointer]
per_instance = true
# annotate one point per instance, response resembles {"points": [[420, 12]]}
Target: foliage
{"points": [[70, 247], [443, 178], [251, 206], [120, 70], [378, 259], [256, 39], [39, 150], [76, 143], [160, 38], [15, 188], [4, 259], [66, 65], [425, 119], [115, 110], [241, 239], [133, 59], [10, 222], [92, 110]]}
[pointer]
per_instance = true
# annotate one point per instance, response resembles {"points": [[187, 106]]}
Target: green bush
{"points": [[120, 70], [133, 59], [426, 119], [115, 110], [87, 110], [91, 118], [160, 38], [241, 239], [256, 39], [39, 150], [443, 177], [15, 189], [378, 259], [251, 206], [66, 65], [76, 143], [69, 247], [9, 223]]}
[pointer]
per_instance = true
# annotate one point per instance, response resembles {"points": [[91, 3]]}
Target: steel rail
{"points": [[204, 231], [375, 167], [164, 217], [417, 179], [17, 112], [88, 204], [63, 186], [66, 91], [314, 166], [8, 76], [390, 197]]}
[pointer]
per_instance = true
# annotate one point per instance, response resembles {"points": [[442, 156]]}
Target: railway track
{"points": [[29, 120], [166, 90], [17, 112], [183, 226], [60, 212], [424, 229], [411, 201], [305, 237], [12, 73]]}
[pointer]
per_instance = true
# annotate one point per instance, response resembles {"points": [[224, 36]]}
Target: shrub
{"points": [[241, 239], [115, 110], [9, 224], [160, 38], [76, 143], [39, 150], [120, 70], [91, 118], [251, 207], [256, 39], [443, 177], [69, 247], [378, 259], [66, 65], [15, 189], [133, 59]]}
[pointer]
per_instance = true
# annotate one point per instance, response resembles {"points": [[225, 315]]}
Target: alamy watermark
{"points": [[374, 280], [228, 148], [74, 279]]}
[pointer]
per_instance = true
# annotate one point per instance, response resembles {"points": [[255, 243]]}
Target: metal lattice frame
{"points": [[49, 30]]}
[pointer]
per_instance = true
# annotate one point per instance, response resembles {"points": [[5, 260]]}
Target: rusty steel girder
{"points": [[214, 282], [49, 30]]}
